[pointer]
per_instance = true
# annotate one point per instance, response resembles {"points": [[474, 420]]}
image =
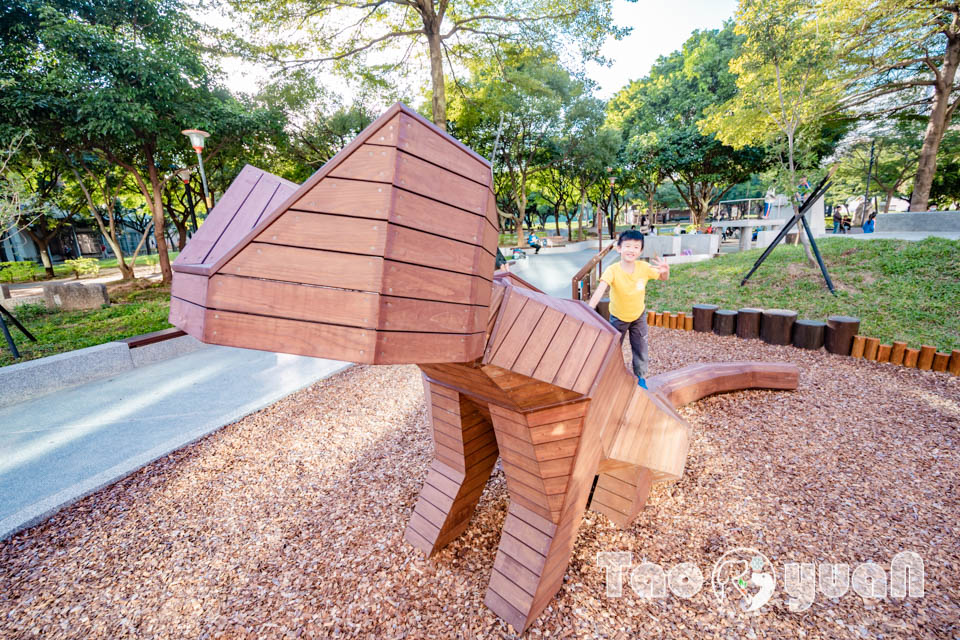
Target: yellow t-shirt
{"points": [[628, 290]]}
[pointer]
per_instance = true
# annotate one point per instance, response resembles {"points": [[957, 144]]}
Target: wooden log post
{"points": [[859, 342], [673, 320], [658, 320], [724, 322], [776, 326], [703, 317], [688, 323], [883, 354], [651, 318], [940, 361], [681, 320], [910, 357], [954, 365], [840, 333], [871, 348], [897, 353], [809, 334], [925, 361], [748, 323]]}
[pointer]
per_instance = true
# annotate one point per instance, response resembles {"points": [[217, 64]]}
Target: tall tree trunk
{"points": [[927, 165], [886, 205], [159, 226], [436, 73], [43, 241]]}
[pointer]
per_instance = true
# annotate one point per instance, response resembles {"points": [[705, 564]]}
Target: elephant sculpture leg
{"points": [[465, 451], [621, 492], [549, 461]]}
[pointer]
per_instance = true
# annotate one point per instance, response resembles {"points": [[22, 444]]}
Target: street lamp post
{"points": [[184, 175], [197, 138]]}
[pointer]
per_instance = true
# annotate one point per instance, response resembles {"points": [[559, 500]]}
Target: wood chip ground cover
{"points": [[289, 522]]}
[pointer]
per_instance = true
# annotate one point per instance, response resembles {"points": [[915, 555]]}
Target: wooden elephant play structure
{"points": [[386, 255]]}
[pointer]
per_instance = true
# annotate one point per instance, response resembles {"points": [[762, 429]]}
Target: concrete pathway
{"points": [[58, 448]]}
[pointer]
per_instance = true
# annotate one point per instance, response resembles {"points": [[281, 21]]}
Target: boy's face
{"points": [[630, 250]]}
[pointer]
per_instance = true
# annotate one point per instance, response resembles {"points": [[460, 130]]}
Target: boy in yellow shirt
{"points": [[627, 282]]}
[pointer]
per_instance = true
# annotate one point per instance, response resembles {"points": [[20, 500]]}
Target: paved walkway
{"points": [[58, 448]]}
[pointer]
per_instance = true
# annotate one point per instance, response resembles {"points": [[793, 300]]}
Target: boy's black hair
{"points": [[630, 234]]}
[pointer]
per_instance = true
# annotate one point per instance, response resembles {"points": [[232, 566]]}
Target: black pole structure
{"points": [[817, 193], [6, 331]]}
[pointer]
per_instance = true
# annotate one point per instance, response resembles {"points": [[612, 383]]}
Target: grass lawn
{"points": [[900, 290], [61, 270], [135, 311]]}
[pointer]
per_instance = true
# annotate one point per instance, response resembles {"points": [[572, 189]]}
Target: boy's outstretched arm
{"points": [[597, 296]]}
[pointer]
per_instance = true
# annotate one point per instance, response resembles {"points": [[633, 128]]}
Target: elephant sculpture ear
{"points": [[385, 255]]}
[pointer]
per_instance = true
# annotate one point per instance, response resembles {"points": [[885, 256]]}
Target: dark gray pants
{"points": [[638, 341]]}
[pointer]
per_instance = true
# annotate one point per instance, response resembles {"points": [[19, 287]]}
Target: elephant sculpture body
{"points": [[386, 256]]}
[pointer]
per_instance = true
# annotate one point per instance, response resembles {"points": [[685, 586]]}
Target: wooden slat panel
{"points": [[493, 311], [510, 591], [509, 350], [417, 212], [429, 512], [294, 301], [368, 162], [554, 486], [511, 307], [199, 246], [483, 441], [520, 552], [431, 181], [347, 197], [556, 449], [290, 336], [414, 281], [407, 314], [490, 210], [437, 498], [190, 287], [388, 134], [579, 351], [406, 347], [556, 351], [428, 250], [618, 502], [452, 443], [516, 572], [530, 480], [519, 460], [557, 414], [556, 467], [327, 232], [418, 140], [500, 606], [279, 197], [188, 317], [248, 215], [527, 533], [449, 404], [556, 431], [293, 264], [443, 484], [466, 377], [423, 527], [506, 441], [540, 338], [591, 368], [536, 506], [440, 390], [490, 238]]}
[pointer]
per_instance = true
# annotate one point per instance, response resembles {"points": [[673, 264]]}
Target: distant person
{"points": [[534, 242], [633, 227], [869, 224], [627, 282], [836, 221], [644, 221]]}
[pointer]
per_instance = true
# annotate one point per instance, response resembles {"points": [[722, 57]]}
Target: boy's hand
{"points": [[661, 265]]}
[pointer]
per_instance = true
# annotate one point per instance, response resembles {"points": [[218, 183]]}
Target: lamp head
{"points": [[196, 138]]}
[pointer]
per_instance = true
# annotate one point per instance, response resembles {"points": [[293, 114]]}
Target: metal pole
{"points": [[6, 334], [866, 194], [23, 329], [203, 176], [816, 252]]}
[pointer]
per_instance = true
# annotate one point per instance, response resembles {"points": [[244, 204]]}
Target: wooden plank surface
{"points": [[414, 281], [328, 233], [408, 347], [368, 162], [408, 314], [428, 250], [419, 140], [431, 181], [356, 198], [294, 301], [417, 212], [309, 266]]}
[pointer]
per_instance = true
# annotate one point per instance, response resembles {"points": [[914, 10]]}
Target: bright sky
{"points": [[659, 27]]}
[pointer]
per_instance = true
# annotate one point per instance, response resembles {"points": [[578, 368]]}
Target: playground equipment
{"points": [[386, 255]]}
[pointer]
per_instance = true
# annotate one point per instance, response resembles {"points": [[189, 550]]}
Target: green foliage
{"points": [[658, 116], [17, 271], [139, 311], [83, 266], [900, 290]]}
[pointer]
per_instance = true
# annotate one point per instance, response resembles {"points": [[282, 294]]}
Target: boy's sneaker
{"points": [[641, 382]]}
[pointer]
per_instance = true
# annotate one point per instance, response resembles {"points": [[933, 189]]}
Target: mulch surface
{"points": [[289, 523]]}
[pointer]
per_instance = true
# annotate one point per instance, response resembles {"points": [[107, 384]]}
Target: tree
{"points": [[531, 92], [901, 57], [348, 33], [783, 84], [659, 114], [121, 80]]}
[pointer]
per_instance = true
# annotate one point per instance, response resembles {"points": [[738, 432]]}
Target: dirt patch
{"points": [[289, 522]]}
